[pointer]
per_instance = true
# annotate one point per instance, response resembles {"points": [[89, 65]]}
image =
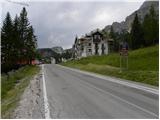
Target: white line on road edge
{"points": [[123, 100], [133, 85], [46, 104]]}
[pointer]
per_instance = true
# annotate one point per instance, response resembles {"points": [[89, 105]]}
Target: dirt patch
{"points": [[31, 105]]}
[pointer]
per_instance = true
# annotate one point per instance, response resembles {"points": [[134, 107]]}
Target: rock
{"points": [[142, 11]]}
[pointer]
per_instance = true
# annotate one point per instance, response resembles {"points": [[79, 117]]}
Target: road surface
{"points": [[72, 94]]}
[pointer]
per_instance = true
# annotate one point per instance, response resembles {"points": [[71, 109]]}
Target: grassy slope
{"points": [[143, 65], [13, 86]]}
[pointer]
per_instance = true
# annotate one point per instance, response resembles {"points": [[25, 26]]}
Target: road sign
{"points": [[123, 49]]}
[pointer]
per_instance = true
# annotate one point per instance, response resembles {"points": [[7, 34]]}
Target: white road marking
{"points": [[140, 87], [46, 104], [123, 100]]}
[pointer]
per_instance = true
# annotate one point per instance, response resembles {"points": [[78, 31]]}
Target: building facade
{"points": [[91, 44]]}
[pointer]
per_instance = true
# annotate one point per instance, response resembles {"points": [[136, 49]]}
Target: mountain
{"points": [[45, 52], [142, 11], [58, 49]]}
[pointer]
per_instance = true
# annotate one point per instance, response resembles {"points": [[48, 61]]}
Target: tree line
{"points": [[18, 42], [143, 33]]}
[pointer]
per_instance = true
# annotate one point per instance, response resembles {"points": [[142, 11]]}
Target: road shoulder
{"points": [[31, 102]]}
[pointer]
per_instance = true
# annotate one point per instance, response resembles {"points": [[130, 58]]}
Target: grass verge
{"points": [[12, 87], [142, 66]]}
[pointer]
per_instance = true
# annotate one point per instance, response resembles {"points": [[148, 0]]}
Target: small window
{"points": [[89, 44], [89, 50]]}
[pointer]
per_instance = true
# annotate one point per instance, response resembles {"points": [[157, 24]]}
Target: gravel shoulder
{"points": [[31, 105]]}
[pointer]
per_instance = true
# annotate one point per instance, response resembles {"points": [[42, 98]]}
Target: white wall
{"points": [[84, 52], [93, 49], [53, 61], [106, 48], [100, 49]]}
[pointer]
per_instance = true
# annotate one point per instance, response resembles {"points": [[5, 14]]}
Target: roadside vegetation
{"points": [[18, 42], [142, 65], [13, 85]]}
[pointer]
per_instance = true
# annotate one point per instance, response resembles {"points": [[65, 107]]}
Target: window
{"points": [[96, 49], [82, 48], [89, 44], [89, 50], [103, 49]]}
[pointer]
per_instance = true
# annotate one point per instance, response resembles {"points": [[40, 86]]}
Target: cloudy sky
{"points": [[57, 23]]}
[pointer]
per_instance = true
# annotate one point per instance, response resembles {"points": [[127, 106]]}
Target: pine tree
{"points": [[7, 43], [136, 33], [23, 25], [16, 36], [150, 28], [146, 28], [31, 44], [18, 42], [154, 24]]}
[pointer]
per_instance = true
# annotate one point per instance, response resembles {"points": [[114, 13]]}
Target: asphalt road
{"points": [[73, 94]]}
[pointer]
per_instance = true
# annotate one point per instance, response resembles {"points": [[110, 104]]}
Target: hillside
{"points": [[142, 11], [143, 65]]}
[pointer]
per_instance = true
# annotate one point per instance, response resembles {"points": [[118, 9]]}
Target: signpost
{"points": [[123, 49]]}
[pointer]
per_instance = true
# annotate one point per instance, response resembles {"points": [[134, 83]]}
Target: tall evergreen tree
{"points": [[16, 36], [23, 25], [136, 33], [31, 44], [18, 42], [7, 42], [155, 25], [146, 29], [150, 28]]}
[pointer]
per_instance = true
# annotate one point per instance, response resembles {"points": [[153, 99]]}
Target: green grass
{"points": [[12, 87], [142, 65]]}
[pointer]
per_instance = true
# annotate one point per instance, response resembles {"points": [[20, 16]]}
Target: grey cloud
{"points": [[57, 23]]}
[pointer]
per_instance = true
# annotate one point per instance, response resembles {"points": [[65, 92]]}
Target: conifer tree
{"points": [[16, 36], [136, 33], [23, 25], [31, 44], [150, 28], [7, 42], [18, 42]]}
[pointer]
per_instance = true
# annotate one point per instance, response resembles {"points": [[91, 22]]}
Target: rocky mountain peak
{"points": [[142, 11]]}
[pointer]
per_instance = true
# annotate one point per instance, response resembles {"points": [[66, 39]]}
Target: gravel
{"points": [[31, 105]]}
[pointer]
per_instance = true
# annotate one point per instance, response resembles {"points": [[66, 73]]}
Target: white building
{"points": [[91, 44]]}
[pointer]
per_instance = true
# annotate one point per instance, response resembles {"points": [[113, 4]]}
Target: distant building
{"points": [[91, 44]]}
